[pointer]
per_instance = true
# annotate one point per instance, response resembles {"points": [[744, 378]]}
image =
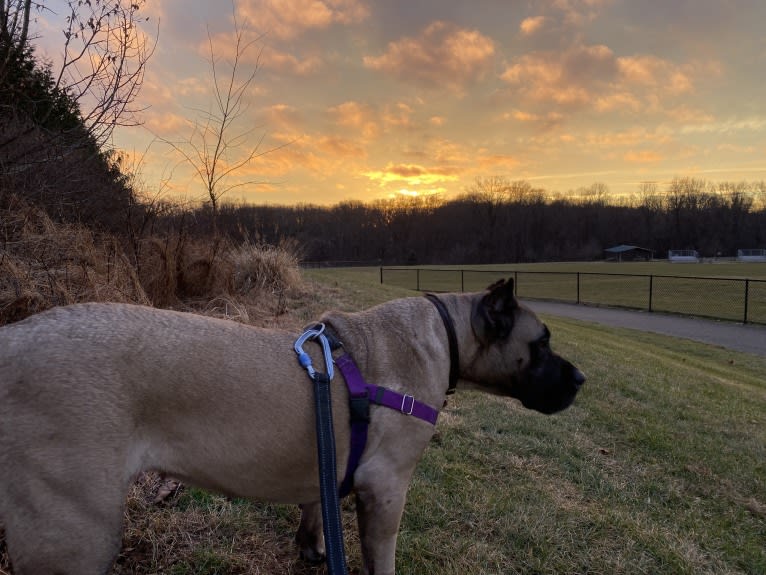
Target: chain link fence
{"points": [[735, 299]]}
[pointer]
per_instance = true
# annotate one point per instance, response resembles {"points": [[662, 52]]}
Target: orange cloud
{"points": [[166, 124], [654, 72], [399, 116], [156, 89], [578, 12], [617, 100], [561, 77], [593, 77], [444, 55], [529, 26], [322, 155], [339, 148], [287, 19], [282, 117], [357, 116], [284, 63], [413, 174]]}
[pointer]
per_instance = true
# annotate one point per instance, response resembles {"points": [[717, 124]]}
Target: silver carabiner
{"points": [[305, 360]]}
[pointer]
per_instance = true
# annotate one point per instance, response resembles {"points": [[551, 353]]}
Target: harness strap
{"points": [[380, 395], [361, 394]]}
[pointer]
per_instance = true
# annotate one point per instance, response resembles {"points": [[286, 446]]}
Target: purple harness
{"points": [[361, 394]]}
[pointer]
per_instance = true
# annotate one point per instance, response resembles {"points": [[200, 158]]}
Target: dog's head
{"points": [[515, 357]]}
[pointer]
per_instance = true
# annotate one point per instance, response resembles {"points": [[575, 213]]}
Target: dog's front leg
{"points": [[379, 512], [310, 535]]}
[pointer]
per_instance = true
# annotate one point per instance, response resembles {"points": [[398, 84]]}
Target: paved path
{"points": [[739, 337]]}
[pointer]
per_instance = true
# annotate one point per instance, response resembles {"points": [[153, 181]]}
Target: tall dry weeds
{"points": [[266, 270], [44, 264]]}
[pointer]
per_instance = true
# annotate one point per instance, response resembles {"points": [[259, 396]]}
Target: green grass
{"points": [[660, 267], [675, 288], [660, 467]]}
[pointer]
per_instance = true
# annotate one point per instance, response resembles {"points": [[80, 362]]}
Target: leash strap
{"points": [[328, 482]]}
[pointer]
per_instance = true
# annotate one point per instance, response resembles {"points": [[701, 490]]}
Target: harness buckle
{"points": [[405, 399]]}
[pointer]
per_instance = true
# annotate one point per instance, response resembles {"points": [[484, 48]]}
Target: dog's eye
{"points": [[538, 349]]}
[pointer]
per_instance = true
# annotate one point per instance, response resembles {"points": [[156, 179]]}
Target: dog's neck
{"points": [[454, 349], [417, 358]]}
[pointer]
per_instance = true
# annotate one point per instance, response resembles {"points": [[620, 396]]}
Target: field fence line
{"points": [[733, 299]]}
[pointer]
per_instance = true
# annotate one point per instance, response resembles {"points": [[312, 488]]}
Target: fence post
{"points": [[417, 279], [747, 293], [462, 281], [381, 275], [578, 287], [515, 283], [651, 291]]}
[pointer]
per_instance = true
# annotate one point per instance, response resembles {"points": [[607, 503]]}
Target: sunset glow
{"points": [[362, 99]]}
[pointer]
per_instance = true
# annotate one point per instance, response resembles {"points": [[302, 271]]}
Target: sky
{"points": [[370, 99]]}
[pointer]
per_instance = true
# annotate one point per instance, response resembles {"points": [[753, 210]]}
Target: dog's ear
{"points": [[493, 315]]}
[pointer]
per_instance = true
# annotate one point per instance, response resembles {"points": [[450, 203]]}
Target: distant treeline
{"points": [[512, 222]]}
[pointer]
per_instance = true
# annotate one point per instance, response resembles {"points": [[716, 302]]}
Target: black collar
{"points": [[454, 354]]}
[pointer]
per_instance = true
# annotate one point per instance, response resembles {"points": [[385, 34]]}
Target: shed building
{"points": [[625, 253]]}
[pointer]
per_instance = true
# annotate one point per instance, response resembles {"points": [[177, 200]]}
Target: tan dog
{"points": [[92, 394]]}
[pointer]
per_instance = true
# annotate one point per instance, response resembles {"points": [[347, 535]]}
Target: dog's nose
{"points": [[578, 377]]}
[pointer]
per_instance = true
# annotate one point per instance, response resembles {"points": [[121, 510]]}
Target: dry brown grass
{"points": [[178, 268], [45, 264], [200, 532]]}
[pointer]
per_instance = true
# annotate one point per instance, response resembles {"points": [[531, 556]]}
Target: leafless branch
{"points": [[104, 61], [215, 148]]}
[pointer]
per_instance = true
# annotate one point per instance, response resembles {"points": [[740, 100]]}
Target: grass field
{"points": [[708, 290], [660, 267], [659, 468]]}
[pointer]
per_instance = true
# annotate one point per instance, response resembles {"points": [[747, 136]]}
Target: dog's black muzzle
{"points": [[549, 386]]}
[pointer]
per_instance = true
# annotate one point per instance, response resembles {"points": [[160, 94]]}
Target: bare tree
{"points": [[595, 194], [491, 189], [217, 147], [14, 23], [102, 62]]}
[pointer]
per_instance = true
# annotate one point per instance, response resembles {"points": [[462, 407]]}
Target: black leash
{"points": [[328, 482]]}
